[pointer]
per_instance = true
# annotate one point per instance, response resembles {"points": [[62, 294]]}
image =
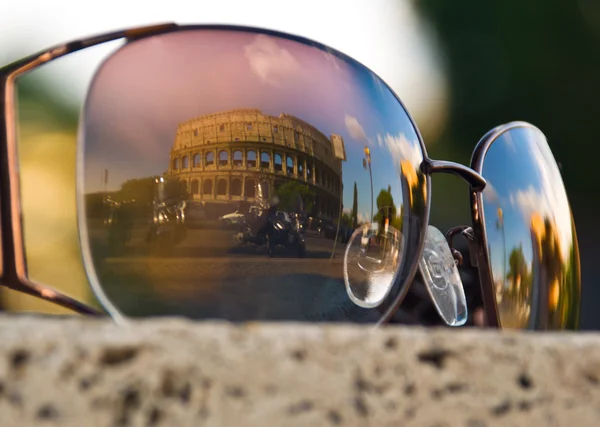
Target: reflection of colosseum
{"points": [[221, 156]]}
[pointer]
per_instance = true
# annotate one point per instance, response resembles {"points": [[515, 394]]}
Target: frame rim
{"points": [[479, 228]]}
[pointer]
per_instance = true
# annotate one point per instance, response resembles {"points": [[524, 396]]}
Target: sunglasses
{"points": [[245, 174]]}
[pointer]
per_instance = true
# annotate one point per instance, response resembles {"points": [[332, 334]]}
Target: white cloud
{"points": [[490, 194], [401, 148], [273, 64], [363, 217], [550, 201], [355, 129], [529, 201]]}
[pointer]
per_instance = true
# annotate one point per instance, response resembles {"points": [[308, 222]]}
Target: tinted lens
{"points": [[531, 237], [225, 171]]}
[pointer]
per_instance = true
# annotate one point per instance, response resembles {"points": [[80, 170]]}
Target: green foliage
{"points": [[386, 208], [38, 104], [289, 193], [346, 220], [534, 60], [141, 190], [517, 264], [145, 190], [385, 205]]}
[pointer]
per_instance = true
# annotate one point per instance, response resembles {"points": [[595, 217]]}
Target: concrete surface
{"points": [[169, 372]]}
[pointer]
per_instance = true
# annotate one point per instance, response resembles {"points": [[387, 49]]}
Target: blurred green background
{"points": [[537, 61]]}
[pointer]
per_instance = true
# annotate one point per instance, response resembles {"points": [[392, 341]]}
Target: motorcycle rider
{"points": [[261, 222]]}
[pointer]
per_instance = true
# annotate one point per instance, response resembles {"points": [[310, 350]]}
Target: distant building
{"points": [[221, 157]]}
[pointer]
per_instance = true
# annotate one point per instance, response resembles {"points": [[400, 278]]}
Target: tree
{"points": [[347, 220], [140, 189], [517, 265], [146, 190], [355, 207], [291, 193], [385, 206]]}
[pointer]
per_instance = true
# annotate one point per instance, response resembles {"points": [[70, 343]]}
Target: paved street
{"points": [[210, 275]]}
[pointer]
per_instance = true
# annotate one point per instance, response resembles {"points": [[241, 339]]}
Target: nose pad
{"points": [[435, 267], [371, 262], [441, 278]]}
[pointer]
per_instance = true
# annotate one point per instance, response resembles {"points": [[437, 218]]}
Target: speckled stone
{"points": [[171, 372]]}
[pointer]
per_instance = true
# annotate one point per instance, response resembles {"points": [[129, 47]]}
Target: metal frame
{"points": [[13, 267]]}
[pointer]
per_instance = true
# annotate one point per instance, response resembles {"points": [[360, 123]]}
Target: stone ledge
{"points": [[170, 372]]}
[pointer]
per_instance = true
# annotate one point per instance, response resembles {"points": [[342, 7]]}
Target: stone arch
{"points": [[207, 186], [278, 163], [251, 159], [209, 159], [195, 187], [238, 158], [250, 187], [223, 158], [265, 160], [236, 187], [221, 187]]}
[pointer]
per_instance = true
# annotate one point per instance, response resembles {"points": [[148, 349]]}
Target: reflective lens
{"points": [[224, 172], [531, 240]]}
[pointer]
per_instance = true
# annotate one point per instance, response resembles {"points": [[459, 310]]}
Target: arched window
{"points": [[185, 162], [250, 188], [238, 158], [195, 186], [236, 187], [265, 189], [197, 160], [265, 160], [176, 164], [308, 171], [209, 159], [223, 158], [300, 168], [251, 159], [290, 165], [207, 186], [221, 187], [278, 163]]}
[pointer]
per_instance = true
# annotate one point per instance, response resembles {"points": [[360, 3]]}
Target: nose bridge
{"points": [[474, 179]]}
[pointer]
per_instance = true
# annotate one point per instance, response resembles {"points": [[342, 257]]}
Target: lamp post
{"points": [[500, 226], [367, 165]]}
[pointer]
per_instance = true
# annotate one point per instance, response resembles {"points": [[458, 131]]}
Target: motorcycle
{"points": [[272, 228], [282, 231]]}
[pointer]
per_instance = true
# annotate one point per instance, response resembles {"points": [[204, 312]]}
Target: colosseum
{"points": [[220, 157]]}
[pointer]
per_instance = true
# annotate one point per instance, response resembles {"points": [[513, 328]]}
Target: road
{"points": [[210, 275]]}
